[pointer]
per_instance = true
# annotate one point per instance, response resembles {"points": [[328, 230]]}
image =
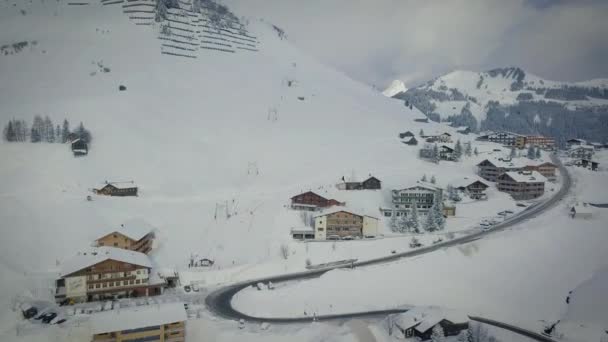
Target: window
{"points": [[114, 236], [136, 281], [320, 229], [115, 244], [97, 286], [90, 287]]}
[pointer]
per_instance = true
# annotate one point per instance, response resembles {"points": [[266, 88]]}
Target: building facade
{"points": [[163, 322], [421, 196], [540, 141], [344, 224], [581, 152], [522, 185], [546, 169], [105, 273], [120, 240], [504, 138]]}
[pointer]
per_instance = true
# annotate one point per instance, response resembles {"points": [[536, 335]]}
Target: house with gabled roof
{"points": [[419, 322], [344, 223], [311, 201], [117, 189], [106, 273], [473, 186], [136, 235]]}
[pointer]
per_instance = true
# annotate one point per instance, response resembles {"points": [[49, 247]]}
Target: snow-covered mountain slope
{"points": [[217, 143], [483, 99], [396, 87]]}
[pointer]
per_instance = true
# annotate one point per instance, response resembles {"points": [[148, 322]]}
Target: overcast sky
{"points": [[376, 41]]}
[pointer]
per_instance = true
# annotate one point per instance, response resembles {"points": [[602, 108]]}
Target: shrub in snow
{"points": [[284, 251], [122, 87]]}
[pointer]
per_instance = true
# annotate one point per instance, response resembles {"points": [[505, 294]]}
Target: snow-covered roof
{"points": [[120, 185], [424, 318], [302, 230], [421, 184], [357, 211], [135, 228], [96, 255], [526, 177], [463, 182], [434, 315], [508, 163], [137, 317]]}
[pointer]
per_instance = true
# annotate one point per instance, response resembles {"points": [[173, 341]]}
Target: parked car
{"points": [[195, 288], [60, 321], [520, 205], [348, 237], [29, 312], [333, 237], [49, 317], [187, 288]]}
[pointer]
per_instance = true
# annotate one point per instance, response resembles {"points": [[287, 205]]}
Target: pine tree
{"points": [[37, 129], [413, 223], [393, 223], [429, 223], [531, 154], [65, 131], [458, 150], [161, 11], [423, 179], [467, 149], [403, 224], [58, 133], [476, 152], [437, 335], [433, 179], [83, 133], [436, 153], [537, 153], [421, 133], [437, 211], [9, 132], [49, 131]]}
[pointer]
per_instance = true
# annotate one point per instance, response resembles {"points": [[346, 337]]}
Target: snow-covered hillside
{"points": [[484, 99], [217, 144], [396, 87]]}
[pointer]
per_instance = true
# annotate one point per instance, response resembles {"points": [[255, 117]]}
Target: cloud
{"points": [[377, 41]]}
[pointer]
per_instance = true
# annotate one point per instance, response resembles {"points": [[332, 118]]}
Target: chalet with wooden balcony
{"points": [[311, 201], [106, 273]]}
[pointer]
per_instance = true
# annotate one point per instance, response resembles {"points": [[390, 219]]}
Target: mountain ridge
{"points": [[482, 100]]}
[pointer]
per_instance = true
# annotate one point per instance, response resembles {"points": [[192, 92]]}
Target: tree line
{"points": [[43, 130]]}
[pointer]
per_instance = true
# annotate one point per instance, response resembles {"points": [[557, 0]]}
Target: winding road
{"points": [[219, 301]]}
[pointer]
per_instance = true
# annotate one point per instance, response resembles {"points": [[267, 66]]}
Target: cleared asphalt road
{"points": [[219, 301]]}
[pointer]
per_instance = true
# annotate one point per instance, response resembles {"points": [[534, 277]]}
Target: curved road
{"points": [[219, 301]]}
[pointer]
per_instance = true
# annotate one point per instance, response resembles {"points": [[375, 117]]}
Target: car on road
{"points": [[62, 320], [348, 237]]}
